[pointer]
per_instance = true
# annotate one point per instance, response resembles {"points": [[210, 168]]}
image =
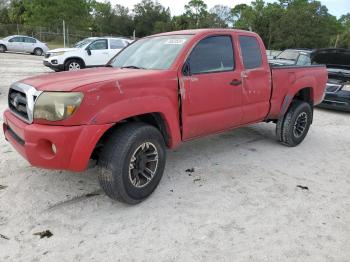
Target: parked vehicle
{"points": [[272, 54], [158, 92], [299, 57], [91, 52], [21, 43], [338, 86]]}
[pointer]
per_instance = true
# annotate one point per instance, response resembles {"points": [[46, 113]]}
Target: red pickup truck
{"points": [[156, 93]]}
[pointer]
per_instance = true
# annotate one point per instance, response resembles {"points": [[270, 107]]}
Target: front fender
{"points": [[131, 107]]}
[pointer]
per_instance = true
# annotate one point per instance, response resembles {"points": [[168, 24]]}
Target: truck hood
{"points": [[62, 50], [68, 81], [332, 57]]}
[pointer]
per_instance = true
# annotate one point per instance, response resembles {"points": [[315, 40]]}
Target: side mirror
{"points": [[88, 51], [274, 57]]}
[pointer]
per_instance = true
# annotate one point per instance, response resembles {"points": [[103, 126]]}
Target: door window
{"points": [[116, 44], [29, 40], [212, 54], [251, 52], [99, 45], [16, 39]]}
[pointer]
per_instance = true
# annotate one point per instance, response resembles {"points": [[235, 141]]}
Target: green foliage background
{"points": [[283, 24]]}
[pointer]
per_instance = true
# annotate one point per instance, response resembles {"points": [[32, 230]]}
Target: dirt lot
{"points": [[241, 203]]}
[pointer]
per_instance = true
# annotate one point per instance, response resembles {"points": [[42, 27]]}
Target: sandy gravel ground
{"points": [[241, 203]]}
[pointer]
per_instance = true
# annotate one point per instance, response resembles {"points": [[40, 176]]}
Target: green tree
{"points": [[51, 13], [151, 17], [4, 12], [17, 11], [196, 12], [343, 39], [222, 16]]}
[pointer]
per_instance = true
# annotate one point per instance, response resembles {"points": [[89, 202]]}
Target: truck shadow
{"points": [[200, 152]]}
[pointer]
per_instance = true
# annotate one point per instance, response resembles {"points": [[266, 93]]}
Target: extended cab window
{"points": [[116, 44], [99, 45], [251, 52], [212, 54]]}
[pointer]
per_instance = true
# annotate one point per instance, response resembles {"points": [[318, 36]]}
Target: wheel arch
{"points": [[74, 57], [4, 46], [155, 119]]}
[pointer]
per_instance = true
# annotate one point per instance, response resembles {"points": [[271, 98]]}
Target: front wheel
{"points": [[3, 49], [38, 52], [294, 126], [132, 162], [73, 65]]}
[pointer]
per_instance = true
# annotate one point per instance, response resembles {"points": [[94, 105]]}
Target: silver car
{"points": [[21, 43]]}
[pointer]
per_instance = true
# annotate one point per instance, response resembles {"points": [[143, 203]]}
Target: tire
{"points": [[124, 155], [294, 126], [3, 49], [73, 65], [38, 51]]}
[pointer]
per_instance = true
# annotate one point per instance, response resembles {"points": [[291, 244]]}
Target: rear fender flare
{"points": [[302, 83]]}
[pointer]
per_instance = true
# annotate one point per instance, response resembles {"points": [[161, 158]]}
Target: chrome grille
{"points": [[21, 100], [18, 103]]}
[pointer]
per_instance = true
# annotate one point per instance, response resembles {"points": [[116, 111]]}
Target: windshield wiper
{"points": [[132, 67]]}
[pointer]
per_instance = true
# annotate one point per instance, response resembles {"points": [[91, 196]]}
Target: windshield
{"points": [[83, 42], [157, 52], [288, 55]]}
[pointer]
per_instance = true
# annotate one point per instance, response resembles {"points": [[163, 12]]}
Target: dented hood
{"points": [[332, 57], [69, 81]]}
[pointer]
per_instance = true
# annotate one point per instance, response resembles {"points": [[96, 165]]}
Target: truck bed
{"points": [[286, 80]]}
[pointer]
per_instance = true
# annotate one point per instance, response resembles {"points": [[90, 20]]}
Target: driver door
{"points": [[211, 88], [98, 53]]}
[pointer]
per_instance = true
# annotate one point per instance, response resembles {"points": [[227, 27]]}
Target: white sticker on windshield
{"points": [[179, 41]]}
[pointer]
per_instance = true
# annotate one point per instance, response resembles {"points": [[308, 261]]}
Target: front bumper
{"points": [[56, 67], [73, 144], [338, 101]]}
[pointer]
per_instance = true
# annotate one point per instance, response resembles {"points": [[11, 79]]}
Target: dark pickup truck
{"points": [[158, 92]]}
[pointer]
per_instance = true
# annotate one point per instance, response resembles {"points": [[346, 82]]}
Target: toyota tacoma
{"points": [[158, 92]]}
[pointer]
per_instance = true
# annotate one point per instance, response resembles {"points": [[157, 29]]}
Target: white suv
{"points": [[91, 52]]}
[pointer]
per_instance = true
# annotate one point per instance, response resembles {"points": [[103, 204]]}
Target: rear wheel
{"points": [[294, 126], [38, 52], [3, 49], [73, 65], [132, 162]]}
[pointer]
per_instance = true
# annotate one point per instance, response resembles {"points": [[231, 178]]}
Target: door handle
{"points": [[235, 82]]}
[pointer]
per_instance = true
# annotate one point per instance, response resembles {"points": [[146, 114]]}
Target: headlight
{"points": [[57, 53], [55, 106], [346, 87]]}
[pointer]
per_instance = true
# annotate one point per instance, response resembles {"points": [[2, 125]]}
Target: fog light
{"points": [[54, 149], [54, 62]]}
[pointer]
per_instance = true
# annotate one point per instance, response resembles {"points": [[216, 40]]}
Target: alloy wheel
{"points": [[300, 124], [74, 66], [143, 165]]}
